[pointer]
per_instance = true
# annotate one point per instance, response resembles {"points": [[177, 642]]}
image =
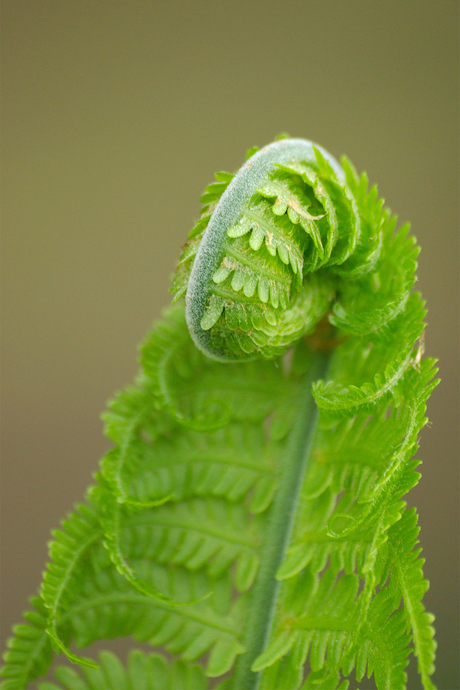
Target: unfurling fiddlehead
{"points": [[258, 480], [254, 269]]}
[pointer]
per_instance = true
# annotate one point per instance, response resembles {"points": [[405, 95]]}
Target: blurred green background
{"points": [[115, 117]]}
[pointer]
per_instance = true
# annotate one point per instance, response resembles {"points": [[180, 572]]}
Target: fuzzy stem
{"points": [[266, 588]]}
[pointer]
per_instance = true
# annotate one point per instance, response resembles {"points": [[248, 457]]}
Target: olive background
{"points": [[115, 116]]}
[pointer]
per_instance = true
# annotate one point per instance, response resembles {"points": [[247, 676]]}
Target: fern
{"points": [[143, 673], [250, 515]]}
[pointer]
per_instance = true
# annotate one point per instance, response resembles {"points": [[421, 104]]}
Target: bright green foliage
{"points": [[144, 672], [252, 513]]}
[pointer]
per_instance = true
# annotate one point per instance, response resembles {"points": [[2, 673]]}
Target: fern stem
{"points": [[292, 472]]}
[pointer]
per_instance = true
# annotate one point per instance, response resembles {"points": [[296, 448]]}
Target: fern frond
{"points": [[200, 533], [292, 199], [143, 672], [68, 551], [329, 637], [372, 216], [384, 648], [407, 567], [127, 414], [205, 532], [366, 305], [195, 390], [278, 237], [29, 652], [104, 601], [335, 399], [251, 512]]}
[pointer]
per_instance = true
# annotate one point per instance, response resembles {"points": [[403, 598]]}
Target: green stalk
{"points": [[266, 587]]}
